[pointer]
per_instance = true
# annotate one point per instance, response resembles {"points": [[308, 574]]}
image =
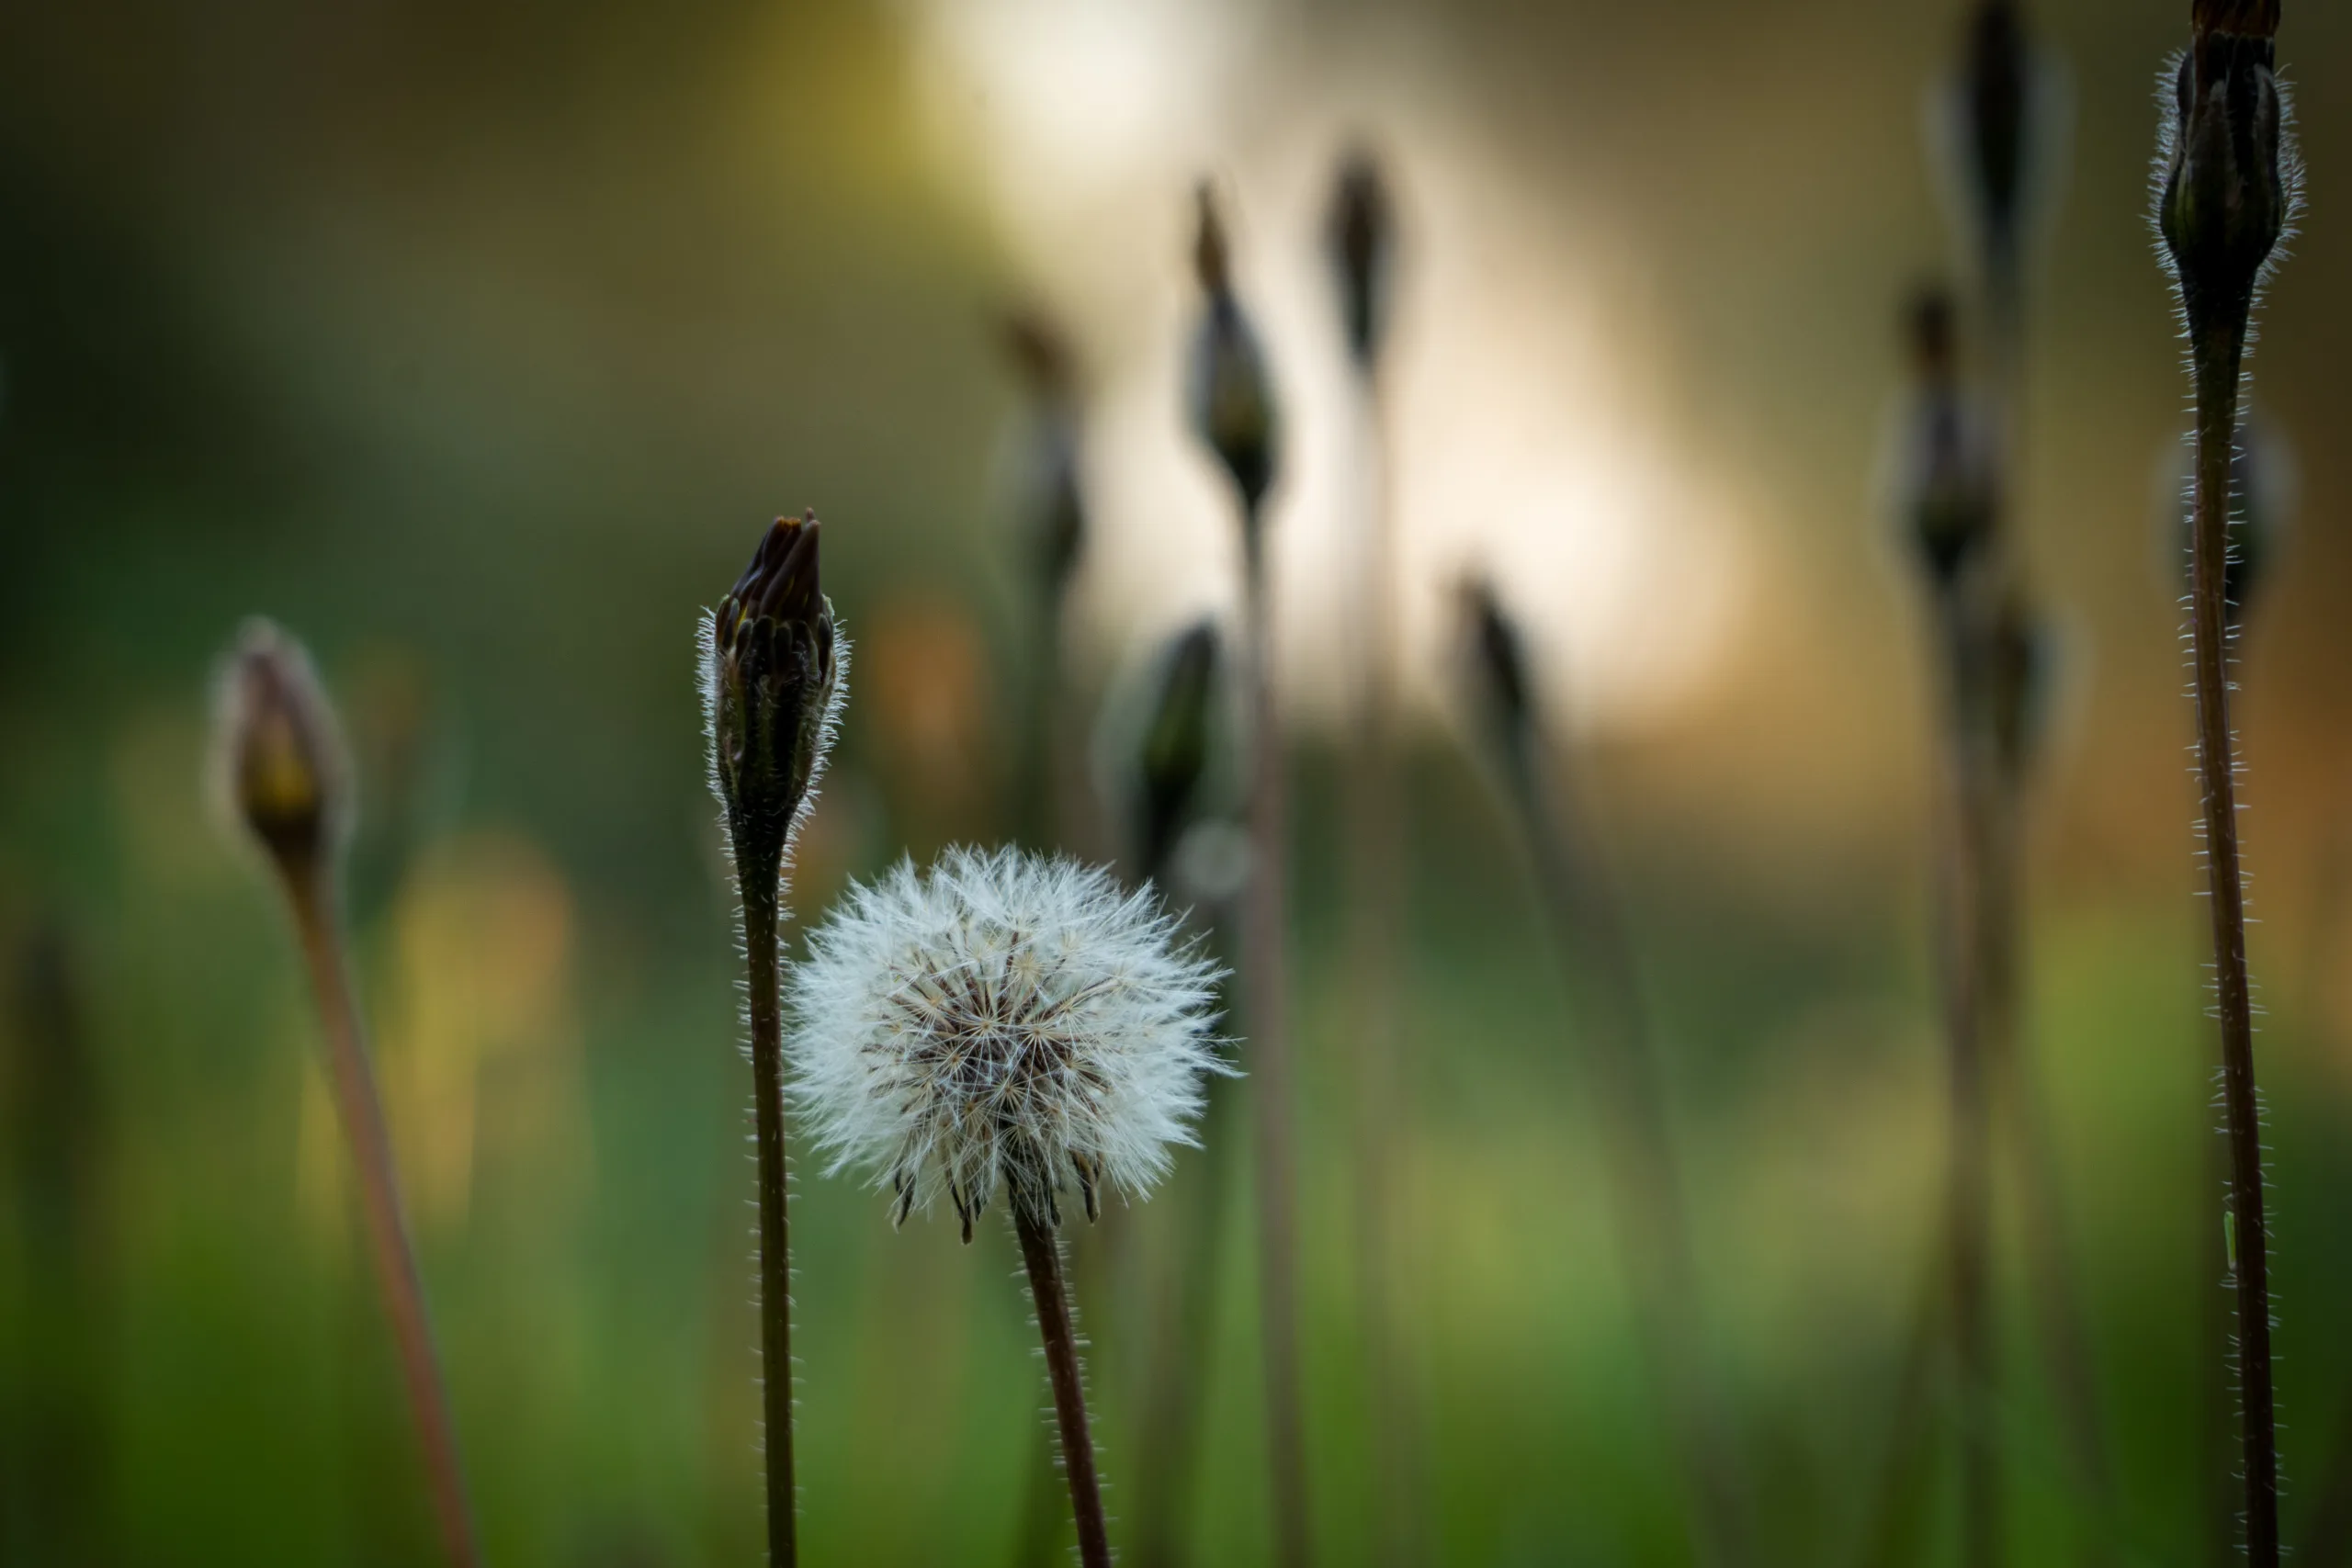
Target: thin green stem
{"points": [[1041, 1254], [311, 891], [2220, 349], [761, 894], [1265, 1001]]}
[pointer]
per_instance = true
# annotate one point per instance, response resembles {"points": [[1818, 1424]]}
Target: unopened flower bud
{"points": [[1362, 238], [2019, 661], [1994, 98], [2229, 182], [1497, 669], [771, 680], [1175, 751], [1232, 399], [280, 751], [1052, 504], [1948, 482]]}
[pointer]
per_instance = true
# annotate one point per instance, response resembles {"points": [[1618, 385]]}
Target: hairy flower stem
{"points": [[1041, 1253], [1264, 956], [761, 894], [2220, 350], [1653, 1224], [310, 892]]}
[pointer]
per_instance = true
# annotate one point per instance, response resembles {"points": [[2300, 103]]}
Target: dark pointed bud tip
{"points": [[281, 753], [1212, 257], [1929, 328], [1499, 656], [1361, 235], [782, 582], [1176, 745], [2245, 18], [1041, 353], [1997, 88]]}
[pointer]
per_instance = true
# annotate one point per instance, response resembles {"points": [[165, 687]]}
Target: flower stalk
{"points": [[2227, 190], [1652, 1219], [282, 759], [1041, 1254], [1233, 412], [772, 666]]}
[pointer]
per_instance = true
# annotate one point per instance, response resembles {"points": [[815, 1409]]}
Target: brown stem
{"points": [[1653, 1224], [2220, 350], [761, 894], [1041, 1252], [1970, 1232], [309, 889], [1265, 1004], [1169, 1437], [1376, 834]]}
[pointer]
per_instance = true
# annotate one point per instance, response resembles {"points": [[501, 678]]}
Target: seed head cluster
{"points": [[1001, 1019]]}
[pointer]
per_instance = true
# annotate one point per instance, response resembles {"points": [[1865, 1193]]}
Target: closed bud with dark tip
{"points": [[1948, 482], [2020, 661], [1176, 744], [1231, 397], [1498, 669], [1053, 502], [2228, 183], [771, 679], [1994, 95], [281, 750], [1361, 237]]}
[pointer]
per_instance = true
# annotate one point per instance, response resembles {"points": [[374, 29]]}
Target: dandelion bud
{"points": [[1006, 1021], [771, 668], [1231, 399], [1053, 502], [280, 754], [2228, 186], [1948, 482], [1175, 751], [2020, 659], [1993, 106], [1498, 665], [1361, 236]]}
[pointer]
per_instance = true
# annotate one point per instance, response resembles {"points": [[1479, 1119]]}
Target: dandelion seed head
{"points": [[1001, 1019]]}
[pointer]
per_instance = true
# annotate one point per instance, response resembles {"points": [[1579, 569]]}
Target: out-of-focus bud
{"points": [[2020, 661], [280, 751], [1360, 235], [1994, 102], [1231, 396], [1495, 656], [770, 681], [1949, 494], [1175, 751], [1052, 504], [2229, 182]]}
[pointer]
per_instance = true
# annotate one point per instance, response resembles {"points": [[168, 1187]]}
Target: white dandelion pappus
{"points": [[1002, 1019]]}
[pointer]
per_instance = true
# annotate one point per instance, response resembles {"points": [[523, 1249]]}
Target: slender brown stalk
{"points": [[1653, 1223], [1265, 1000], [2219, 353], [309, 890], [1041, 1253], [1376, 838], [761, 897], [1974, 808]]}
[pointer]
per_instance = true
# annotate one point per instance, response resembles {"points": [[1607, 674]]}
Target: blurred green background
{"points": [[475, 343]]}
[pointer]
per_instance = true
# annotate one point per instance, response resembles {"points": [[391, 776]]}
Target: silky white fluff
{"points": [[1002, 1019]]}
